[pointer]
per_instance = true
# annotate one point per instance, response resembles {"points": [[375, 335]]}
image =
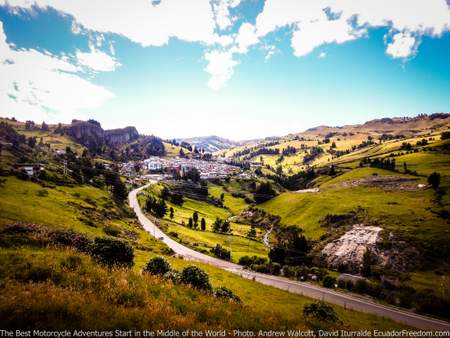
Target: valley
{"points": [[356, 210]]}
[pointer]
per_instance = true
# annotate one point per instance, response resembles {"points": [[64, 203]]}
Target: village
{"points": [[179, 166]]}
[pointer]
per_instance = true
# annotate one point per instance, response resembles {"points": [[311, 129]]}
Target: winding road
{"points": [[349, 301]]}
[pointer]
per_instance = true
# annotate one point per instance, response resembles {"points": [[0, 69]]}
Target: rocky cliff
{"points": [[93, 136]]}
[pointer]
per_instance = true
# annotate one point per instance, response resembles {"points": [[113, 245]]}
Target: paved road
{"points": [[346, 300]]}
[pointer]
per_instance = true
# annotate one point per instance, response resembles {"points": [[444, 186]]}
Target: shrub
{"points": [[195, 277], [113, 252], [174, 276], [157, 266], [221, 252], [274, 268], [329, 281], [72, 239], [226, 293], [320, 311], [111, 230]]}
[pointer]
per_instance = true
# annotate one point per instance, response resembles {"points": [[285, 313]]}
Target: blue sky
{"points": [[238, 69]]}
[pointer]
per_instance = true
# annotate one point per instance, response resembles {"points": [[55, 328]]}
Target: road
{"points": [[349, 301]]}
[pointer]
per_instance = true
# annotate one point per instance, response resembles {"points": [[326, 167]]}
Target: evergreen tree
{"points": [[171, 213], [203, 224], [195, 218]]}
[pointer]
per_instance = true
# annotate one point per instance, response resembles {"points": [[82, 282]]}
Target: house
{"points": [[31, 169]]}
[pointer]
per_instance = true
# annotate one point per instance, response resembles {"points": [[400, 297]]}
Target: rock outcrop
{"points": [[91, 134], [349, 249]]}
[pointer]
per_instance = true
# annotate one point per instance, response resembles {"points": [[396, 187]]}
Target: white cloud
{"points": [[403, 45], [40, 85], [313, 27], [246, 37], [221, 9], [310, 35], [322, 55], [220, 67], [97, 60], [138, 20]]}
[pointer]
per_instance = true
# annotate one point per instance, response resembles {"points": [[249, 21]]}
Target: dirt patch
{"points": [[397, 183]]}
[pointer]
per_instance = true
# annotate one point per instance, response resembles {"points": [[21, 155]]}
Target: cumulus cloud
{"points": [[322, 55], [402, 46], [138, 20], [246, 37], [40, 85], [312, 23], [310, 35], [97, 60], [220, 66], [222, 14]]}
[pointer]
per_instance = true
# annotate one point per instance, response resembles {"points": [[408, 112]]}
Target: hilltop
{"points": [[210, 143]]}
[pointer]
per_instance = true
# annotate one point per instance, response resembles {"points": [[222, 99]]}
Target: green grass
{"points": [[406, 211], [81, 208], [205, 240], [268, 299], [234, 204], [38, 284], [239, 246]]}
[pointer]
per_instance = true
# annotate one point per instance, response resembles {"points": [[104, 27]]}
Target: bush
{"points": [[72, 239], [112, 252], [157, 266], [195, 277], [111, 230], [174, 276], [329, 281], [226, 293], [320, 311], [247, 260], [221, 252]]}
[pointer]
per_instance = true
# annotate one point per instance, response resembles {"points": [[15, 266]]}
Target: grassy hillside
{"points": [[236, 241], [58, 288]]}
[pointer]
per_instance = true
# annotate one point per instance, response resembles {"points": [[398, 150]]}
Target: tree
{"points": [[277, 255], [195, 219], [119, 189], [405, 168], [113, 252], [203, 224], [195, 277], [190, 223], [221, 252], [44, 127], [252, 232], [329, 281], [171, 213], [157, 266], [217, 225], [225, 227], [264, 192], [320, 311], [434, 180], [222, 197]]}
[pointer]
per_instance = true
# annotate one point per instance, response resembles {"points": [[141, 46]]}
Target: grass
{"points": [[407, 211], [62, 289], [234, 204], [205, 240], [81, 208]]}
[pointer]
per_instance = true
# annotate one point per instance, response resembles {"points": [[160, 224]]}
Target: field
{"points": [[236, 241], [81, 208]]}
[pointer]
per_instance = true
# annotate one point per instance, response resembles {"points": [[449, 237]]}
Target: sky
{"points": [[240, 69]]}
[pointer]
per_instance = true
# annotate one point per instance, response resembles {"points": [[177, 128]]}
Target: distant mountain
{"points": [[395, 125], [210, 143]]}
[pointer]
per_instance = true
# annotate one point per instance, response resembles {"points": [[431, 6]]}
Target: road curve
{"points": [[348, 301]]}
